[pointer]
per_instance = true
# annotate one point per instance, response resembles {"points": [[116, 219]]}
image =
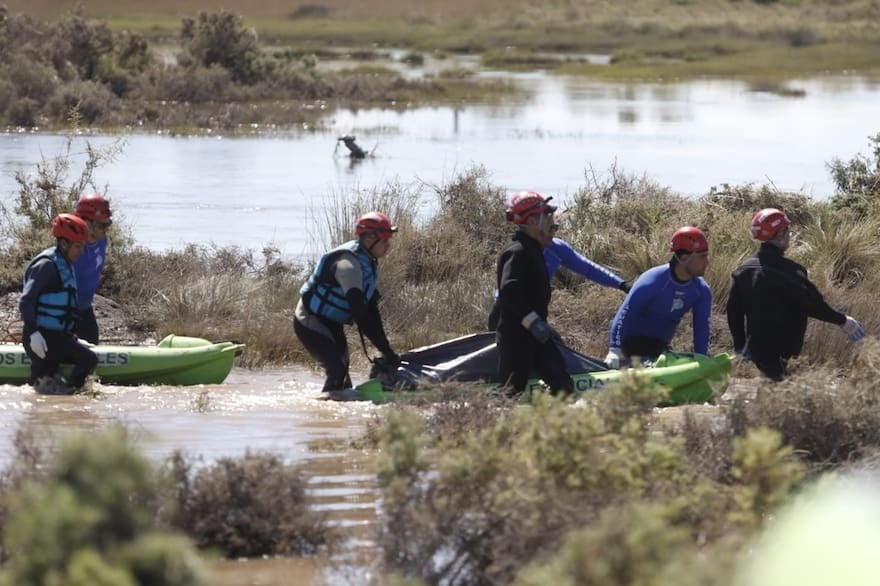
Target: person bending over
{"points": [[647, 319], [48, 308], [342, 290]]}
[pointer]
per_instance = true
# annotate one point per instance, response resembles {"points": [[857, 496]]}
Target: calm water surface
{"points": [[276, 188], [276, 411]]}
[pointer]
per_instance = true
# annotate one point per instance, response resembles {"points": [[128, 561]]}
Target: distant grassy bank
{"points": [[646, 39], [254, 67]]}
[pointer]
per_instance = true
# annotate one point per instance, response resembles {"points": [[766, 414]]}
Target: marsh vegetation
{"points": [[150, 67]]}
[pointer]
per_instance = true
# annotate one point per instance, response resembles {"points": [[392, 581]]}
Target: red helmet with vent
{"points": [[528, 203], [70, 227], [767, 223], [689, 239], [93, 207], [375, 223]]}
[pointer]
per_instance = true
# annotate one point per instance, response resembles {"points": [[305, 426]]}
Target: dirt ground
{"points": [[111, 321]]}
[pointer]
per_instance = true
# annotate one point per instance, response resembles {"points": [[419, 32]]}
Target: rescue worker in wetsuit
{"points": [[647, 319], [561, 253], [49, 311], [771, 299], [95, 210], [525, 340], [342, 290]]}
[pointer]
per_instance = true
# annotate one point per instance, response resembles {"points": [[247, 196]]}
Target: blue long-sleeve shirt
{"points": [[89, 267], [560, 253], [655, 305]]}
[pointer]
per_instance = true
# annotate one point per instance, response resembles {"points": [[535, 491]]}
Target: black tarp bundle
{"points": [[469, 358]]}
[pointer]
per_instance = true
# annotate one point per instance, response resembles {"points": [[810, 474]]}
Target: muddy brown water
{"points": [[277, 411]]}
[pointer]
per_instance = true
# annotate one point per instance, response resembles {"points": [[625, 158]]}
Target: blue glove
{"points": [[853, 329]]}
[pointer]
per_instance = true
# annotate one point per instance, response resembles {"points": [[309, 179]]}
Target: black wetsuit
{"points": [[770, 301], [524, 287]]}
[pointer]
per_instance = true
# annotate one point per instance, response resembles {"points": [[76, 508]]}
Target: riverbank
{"points": [[646, 40], [261, 66]]}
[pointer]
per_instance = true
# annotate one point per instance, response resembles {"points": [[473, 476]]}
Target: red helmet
{"points": [[93, 207], [70, 227], [767, 223], [689, 239], [375, 222], [528, 203]]}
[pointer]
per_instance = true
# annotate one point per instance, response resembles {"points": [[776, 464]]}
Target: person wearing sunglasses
{"points": [[771, 299], [524, 339], [562, 254], [95, 210]]}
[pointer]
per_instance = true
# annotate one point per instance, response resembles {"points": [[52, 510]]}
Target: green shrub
{"points": [[220, 38], [828, 419], [857, 181], [593, 492], [90, 100], [247, 507], [87, 521]]}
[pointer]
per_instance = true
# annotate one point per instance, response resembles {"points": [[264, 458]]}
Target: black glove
{"points": [[542, 330], [625, 286]]}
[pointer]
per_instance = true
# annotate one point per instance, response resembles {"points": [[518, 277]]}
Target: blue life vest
{"points": [[323, 296], [57, 310]]}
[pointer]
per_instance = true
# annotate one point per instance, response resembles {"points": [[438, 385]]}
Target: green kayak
{"points": [[690, 378], [176, 360]]}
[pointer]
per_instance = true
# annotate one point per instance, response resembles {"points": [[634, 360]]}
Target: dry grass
{"points": [[712, 37], [687, 14], [272, 9], [437, 280]]}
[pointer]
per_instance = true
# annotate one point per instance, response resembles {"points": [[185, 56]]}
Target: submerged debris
{"points": [[355, 151]]}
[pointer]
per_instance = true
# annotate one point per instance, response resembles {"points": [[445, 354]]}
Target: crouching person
{"points": [[49, 310]]}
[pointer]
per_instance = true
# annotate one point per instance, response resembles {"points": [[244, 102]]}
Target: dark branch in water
{"points": [[355, 151]]}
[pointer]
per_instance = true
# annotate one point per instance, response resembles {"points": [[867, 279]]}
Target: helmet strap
{"points": [[375, 241]]}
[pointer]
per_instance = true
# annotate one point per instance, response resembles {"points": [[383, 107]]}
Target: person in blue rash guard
{"points": [[95, 210], [646, 321], [561, 253]]}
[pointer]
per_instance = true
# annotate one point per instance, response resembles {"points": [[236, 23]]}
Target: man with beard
{"points": [[647, 320]]}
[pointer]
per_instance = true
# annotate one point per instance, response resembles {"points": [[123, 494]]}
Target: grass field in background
{"points": [[647, 39]]}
